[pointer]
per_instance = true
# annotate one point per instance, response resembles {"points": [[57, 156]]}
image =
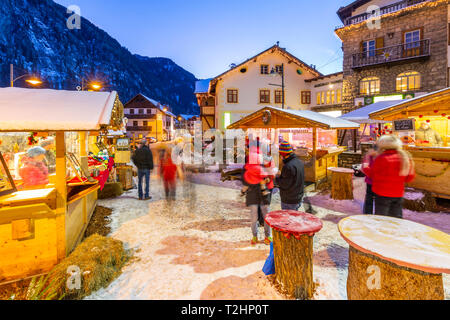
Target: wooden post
{"points": [[355, 144], [341, 184], [61, 195]]}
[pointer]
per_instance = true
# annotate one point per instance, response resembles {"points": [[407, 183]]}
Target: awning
{"points": [[58, 110], [288, 118], [361, 115]]}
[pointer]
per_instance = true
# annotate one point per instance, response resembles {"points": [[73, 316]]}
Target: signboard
{"points": [[123, 143], [404, 125]]}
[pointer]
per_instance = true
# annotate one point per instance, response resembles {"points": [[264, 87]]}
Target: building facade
{"points": [[256, 83], [147, 118], [326, 94], [393, 49]]}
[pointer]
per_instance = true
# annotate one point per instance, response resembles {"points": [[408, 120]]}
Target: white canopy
{"points": [[54, 110]]}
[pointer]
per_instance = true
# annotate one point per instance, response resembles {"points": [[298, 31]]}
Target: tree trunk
{"points": [[294, 265], [341, 186], [371, 278]]}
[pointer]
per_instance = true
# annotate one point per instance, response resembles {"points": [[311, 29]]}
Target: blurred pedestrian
{"points": [[291, 181], [143, 160], [389, 173], [370, 196], [168, 173]]}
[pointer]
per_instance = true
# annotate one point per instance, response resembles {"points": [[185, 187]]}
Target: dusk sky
{"points": [[205, 37]]}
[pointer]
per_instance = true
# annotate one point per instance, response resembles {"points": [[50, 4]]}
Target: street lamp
{"points": [[279, 72], [33, 81], [94, 86]]}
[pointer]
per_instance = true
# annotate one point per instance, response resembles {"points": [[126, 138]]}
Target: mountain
{"points": [[35, 38]]}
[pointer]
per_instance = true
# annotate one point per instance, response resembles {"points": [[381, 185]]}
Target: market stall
{"points": [[423, 124], [49, 191], [313, 136]]}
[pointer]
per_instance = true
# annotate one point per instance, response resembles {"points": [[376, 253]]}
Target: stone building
{"points": [[393, 49]]}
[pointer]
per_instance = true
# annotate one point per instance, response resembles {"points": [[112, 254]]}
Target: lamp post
{"points": [[33, 81], [280, 72], [95, 86]]}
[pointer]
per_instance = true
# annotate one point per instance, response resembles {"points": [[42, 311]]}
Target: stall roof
{"points": [[305, 118], [437, 98], [361, 115], [55, 110]]}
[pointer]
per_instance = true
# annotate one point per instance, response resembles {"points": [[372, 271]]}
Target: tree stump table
{"points": [[293, 234], [341, 183], [394, 259]]}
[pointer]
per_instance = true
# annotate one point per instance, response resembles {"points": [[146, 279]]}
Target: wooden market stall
{"points": [[41, 223], [423, 124], [312, 135]]}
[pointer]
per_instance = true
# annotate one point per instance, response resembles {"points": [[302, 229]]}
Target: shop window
{"points": [[323, 97], [232, 96], [408, 81], [278, 96], [306, 97], [369, 86], [339, 96], [264, 96]]}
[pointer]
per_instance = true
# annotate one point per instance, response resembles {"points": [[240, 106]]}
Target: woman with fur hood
{"points": [[392, 168]]}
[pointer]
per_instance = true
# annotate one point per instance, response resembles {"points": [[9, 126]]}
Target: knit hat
{"points": [[285, 148], [35, 151]]}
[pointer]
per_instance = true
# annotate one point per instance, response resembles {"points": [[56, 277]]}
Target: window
{"points": [[318, 98], [131, 111], [333, 97], [226, 119], [306, 97], [264, 96], [232, 96], [369, 47], [369, 86], [408, 81], [145, 123], [135, 124], [278, 68], [264, 69], [278, 96], [149, 111], [328, 97], [412, 39], [323, 97], [338, 96], [141, 111]]}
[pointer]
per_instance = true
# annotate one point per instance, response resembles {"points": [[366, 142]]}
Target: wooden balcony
{"points": [[140, 128], [383, 10], [407, 51]]}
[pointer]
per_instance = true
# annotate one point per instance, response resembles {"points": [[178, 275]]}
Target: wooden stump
{"points": [[342, 184], [294, 265], [371, 278]]}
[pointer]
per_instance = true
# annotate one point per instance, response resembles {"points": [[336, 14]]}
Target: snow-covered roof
{"points": [[361, 115], [311, 117], [188, 116], [159, 105], [202, 86], [53, 110]]}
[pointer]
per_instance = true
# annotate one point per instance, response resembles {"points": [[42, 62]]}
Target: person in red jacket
{"points": [[391, 169], [168, 172]]}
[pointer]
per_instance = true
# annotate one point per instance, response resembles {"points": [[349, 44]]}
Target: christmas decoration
{"points": [[32, 139]]}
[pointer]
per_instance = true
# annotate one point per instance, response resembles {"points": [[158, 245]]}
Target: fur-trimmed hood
{"points": [[389, 143]]}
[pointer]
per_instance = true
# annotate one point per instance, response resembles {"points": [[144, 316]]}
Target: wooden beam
{"points": [[61, 195]]}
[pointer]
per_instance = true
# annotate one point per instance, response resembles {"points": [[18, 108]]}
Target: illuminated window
{"points": [[408, 81], [369, 86], [323, 97], [328, 97], [333, 97], [226, 119], [318, 98], [338, 96]]}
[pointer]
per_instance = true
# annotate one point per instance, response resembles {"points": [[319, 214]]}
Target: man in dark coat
{"points": [[291, 181], [143, 160]]}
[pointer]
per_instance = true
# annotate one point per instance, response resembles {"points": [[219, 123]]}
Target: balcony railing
{"points": [[383, 10], [412, 50], [140, 128]]}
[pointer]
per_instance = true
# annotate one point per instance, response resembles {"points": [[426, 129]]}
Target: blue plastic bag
{"points": [[269, 266]]}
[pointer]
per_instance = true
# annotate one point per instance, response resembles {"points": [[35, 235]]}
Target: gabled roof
{"points": [[188, 116], [440, 97], [273, 48], [57, 110], [331, 75], [157, 104], [303, 118]]}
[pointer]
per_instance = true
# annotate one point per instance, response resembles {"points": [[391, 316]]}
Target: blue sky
{"points": [[205, 37]]}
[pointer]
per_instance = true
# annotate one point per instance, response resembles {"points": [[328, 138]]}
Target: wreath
{"points": [[267, 117]]}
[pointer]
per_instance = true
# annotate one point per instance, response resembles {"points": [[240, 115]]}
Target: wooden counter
{"points": [[28, 197], [432, 166], [316, 170]]}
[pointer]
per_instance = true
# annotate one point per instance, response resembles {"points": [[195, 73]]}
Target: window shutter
{"points": [[421, 33], [361, 47]]}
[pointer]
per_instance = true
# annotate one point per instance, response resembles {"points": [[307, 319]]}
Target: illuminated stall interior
{"points": [[48, 187], [312, 135], [423, 123]]}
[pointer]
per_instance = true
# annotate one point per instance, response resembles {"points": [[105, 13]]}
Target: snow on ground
{"points": [[198, 247]]}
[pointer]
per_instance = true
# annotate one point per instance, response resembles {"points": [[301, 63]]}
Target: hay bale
{"points": [[395, 283], [111, 190], [100, 260], [100, 222]]}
